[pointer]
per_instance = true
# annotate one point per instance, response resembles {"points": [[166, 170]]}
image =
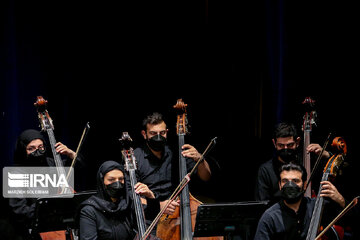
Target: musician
{"points": [[290, 217], [109, 214], [31, 150], [286, 143], [156, 161]]}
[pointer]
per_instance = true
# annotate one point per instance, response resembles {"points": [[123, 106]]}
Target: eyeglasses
{"points": [[288, 145], [33, 148]]}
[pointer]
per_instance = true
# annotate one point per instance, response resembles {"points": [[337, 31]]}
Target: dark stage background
{"points": [[241, 66]]}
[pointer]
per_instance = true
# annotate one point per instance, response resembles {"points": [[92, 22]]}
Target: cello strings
{"points": [[317, 161], [342, 213], [178, 189]]}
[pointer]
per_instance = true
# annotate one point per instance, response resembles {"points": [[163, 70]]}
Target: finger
{"points": [[140, 188], [186, 146], [59, 149], [327, 193], [175, 204], [170, 211]]}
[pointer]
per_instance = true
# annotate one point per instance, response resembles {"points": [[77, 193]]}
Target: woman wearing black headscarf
{"points": [[110, 214], [30, 150]]}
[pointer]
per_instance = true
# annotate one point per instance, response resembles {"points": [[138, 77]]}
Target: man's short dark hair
{"points": [[285, 130], [153, 119], [294, 167]]}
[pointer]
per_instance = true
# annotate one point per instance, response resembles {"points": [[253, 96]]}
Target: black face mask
{"points": [[287, 154], [115, 189], [157, 143], [291, 192], [37, 157]]}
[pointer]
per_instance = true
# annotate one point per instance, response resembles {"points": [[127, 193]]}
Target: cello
{"points": [[47, 125], [309, 120], [181, 224], [330, 172]]}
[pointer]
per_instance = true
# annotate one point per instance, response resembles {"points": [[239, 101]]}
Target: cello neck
{"points": [[182, 160], [56, 155], [185, 214], [139, 211], [309, 120], [306, 160]]}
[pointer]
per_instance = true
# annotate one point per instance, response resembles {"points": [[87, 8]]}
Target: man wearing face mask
{"points": [[286, 143], [30, 151], [158, 168], [289, 219]]}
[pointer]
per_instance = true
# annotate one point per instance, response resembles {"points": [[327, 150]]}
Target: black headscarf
{"points": [[102, 200], [23, 140]]}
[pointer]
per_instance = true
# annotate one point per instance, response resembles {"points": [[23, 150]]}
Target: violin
{"points": [[330, 172], [181, 224], [47, 125], [308, 121]]}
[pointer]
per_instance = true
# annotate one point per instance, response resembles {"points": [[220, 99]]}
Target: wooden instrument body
{"points": [[331, 170]]}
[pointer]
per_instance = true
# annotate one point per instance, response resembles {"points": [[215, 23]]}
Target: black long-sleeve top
{"points": [[280, 222], [267, 182], [160, 175]]}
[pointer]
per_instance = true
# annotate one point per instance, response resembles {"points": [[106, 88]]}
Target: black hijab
{"points": [[102, 200], [23, 140]]}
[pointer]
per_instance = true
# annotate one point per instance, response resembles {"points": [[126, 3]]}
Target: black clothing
{"points": [[100, 218], [23, 209], [267, 183], [279, 222], [282, 223], [20, 156], [160, 175]]}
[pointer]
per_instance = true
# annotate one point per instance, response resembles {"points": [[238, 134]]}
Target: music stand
{"points": [[229, 219], [57, 213]]}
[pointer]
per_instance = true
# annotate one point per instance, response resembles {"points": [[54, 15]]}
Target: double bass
{"points": [[330, 172], [130, 167], [308, 122], [181, 224], [48, 127]]}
